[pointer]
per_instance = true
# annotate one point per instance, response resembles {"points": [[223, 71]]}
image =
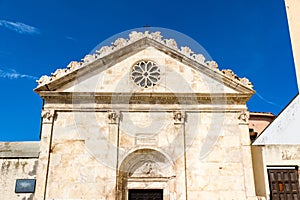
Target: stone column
{"points": [[243, 117], [45, 146]]}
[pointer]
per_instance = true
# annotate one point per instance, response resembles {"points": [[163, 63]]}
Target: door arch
{"points": [[146, 169]]}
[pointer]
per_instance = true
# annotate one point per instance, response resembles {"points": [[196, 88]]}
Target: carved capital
{"points": [[179, 117], [244, 117], [48, 116], [113, 117]]}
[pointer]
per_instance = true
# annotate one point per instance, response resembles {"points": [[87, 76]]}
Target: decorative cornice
{"points": [[141, 98], [133, 37]]}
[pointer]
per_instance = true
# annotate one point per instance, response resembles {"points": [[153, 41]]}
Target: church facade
{"points": [[144, 119]]}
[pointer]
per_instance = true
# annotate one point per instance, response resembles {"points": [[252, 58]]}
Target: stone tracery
{"points": [[145, 74]]}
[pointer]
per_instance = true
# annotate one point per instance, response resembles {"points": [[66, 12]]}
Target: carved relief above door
{"points": [[146, 174]]}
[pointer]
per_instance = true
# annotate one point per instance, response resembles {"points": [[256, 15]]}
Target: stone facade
{"points": [[105, 132]]}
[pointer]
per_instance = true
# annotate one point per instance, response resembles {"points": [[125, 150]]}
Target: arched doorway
{"points": [[146, 174]]}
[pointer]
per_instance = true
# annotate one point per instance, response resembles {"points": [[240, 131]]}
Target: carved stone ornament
{"points": [[48, 115], [287, 155], [135, 36], [59, 73], [199, 58], [246, 82], [73, 65], [229, 73], [156, 36], [88, 58], [105, 50], [145, 74], [43, 80], [147, 169], [171, 43], [119, 43], [113, 117], [244, 116], [212, 64], [186, 51], [178, 117]]}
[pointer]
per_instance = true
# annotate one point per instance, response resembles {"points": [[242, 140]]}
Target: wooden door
{"points": [[149, 194], [284, 184]]}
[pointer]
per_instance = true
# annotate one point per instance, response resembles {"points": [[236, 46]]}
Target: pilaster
{"points": [[48, 117], [180, 151], [243, 118]]}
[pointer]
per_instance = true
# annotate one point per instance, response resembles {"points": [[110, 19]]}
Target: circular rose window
{"points": [[145, 74]]}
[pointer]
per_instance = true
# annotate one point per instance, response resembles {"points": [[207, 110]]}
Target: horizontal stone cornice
{"points": [[143, 98]]}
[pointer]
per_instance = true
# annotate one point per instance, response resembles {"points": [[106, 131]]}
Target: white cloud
{"points": [[13, 74], [19, 27], [265, 100], [70, 38]]}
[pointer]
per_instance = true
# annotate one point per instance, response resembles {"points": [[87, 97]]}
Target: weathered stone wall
{"points": [[76, 169], [18, 160], [219, 159], [202, 159]]}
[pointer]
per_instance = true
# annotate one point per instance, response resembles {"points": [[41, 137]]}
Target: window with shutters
{"points": [[283, 182]]}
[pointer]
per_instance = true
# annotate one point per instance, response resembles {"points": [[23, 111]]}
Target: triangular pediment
{"points": [[110, 70]]}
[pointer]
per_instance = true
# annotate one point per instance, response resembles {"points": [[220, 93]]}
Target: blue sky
{"points": [[37, 37]]}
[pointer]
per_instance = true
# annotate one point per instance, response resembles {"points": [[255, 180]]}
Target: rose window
{"points": [[145, 74]]}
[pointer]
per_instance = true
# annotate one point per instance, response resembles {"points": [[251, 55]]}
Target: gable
{"points": [[174, 77], [109, 70], [285, 128]]}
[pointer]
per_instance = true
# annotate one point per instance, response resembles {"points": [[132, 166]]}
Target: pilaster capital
{"points": [[113, 117], [48, 116], [243, 117], [179, 117]]}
